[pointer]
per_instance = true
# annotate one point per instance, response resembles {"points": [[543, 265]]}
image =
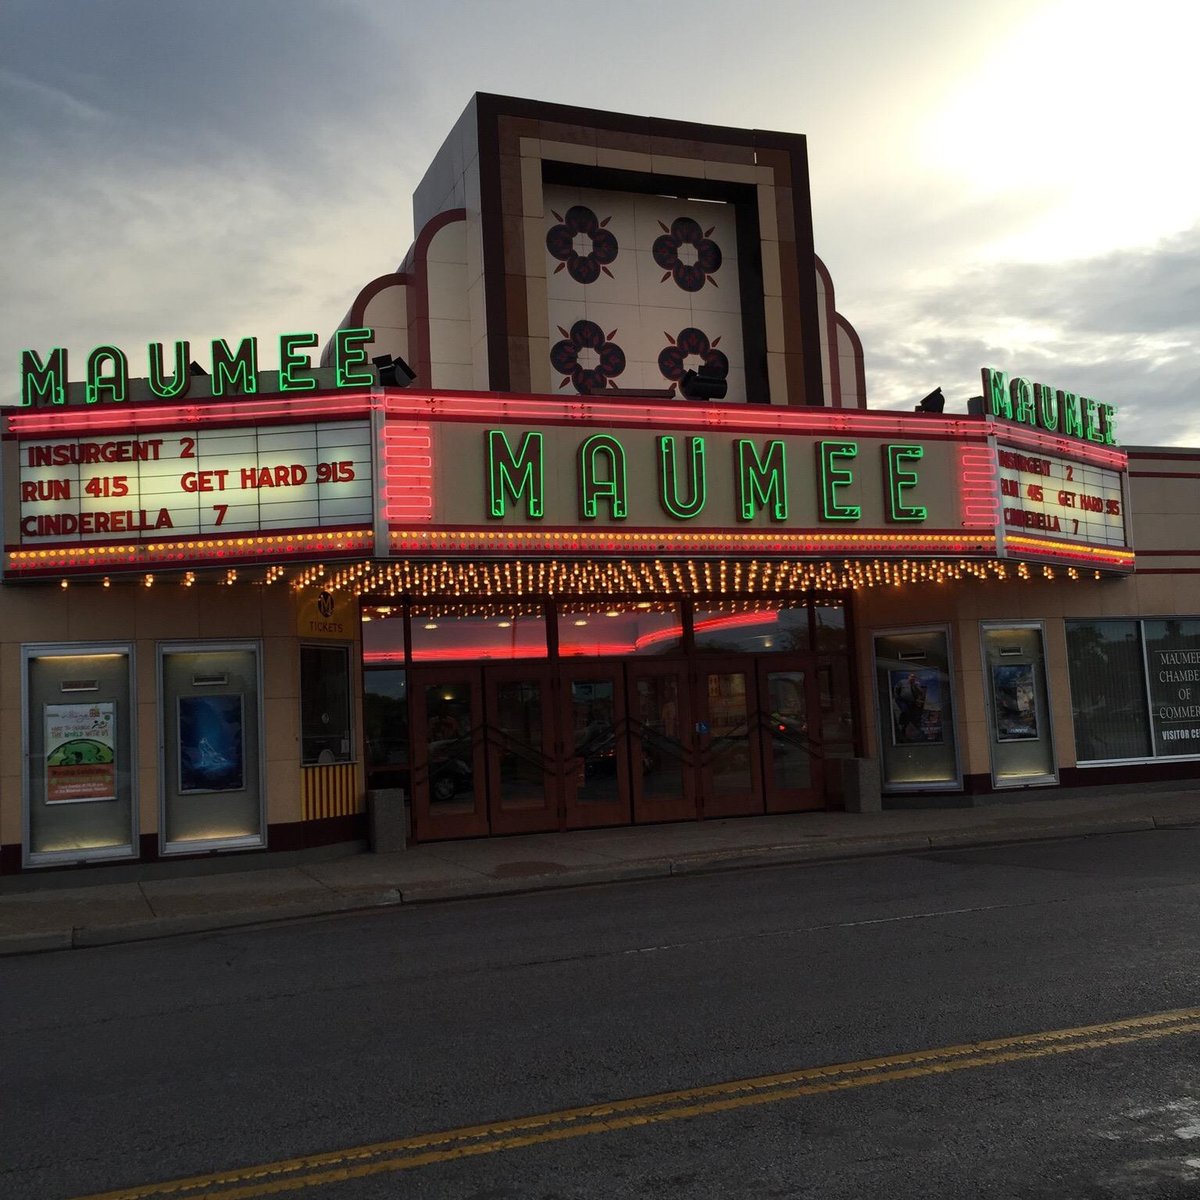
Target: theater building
{"points": [[581, 519]]}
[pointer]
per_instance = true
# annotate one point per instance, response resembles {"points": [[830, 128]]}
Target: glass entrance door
{"points": [[792, 762], [595, 747], [661, 742], [448, 763], [726, 739], [524, 778]]}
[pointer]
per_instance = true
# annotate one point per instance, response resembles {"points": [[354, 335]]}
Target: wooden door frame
{"points": [[532, 820], [749, 802], [785, 800], [429, 825], [579, 814], [685, 808]]}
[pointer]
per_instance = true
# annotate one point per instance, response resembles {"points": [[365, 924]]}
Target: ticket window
{"points": [[918, 740], [79, 754], [1014, 677], [211, 781]]}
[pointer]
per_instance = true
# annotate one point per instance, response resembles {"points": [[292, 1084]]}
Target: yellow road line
{"points": [[403, 1154]]}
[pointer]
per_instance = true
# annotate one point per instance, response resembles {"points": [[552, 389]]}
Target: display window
{"points": [[326, 734], [738, 628], [79, 744], [211, 775], [447, 634], [622, 629], [1135, 688], [385, 723], [918, 743], [1021, 734]]}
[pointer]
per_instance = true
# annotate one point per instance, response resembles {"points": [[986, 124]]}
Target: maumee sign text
{"points": [[232, 371]]}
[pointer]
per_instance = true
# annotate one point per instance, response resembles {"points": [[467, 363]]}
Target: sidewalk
{"points": [[58, 917]]}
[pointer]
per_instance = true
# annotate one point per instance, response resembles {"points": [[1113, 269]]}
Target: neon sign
{"points": [[1050, 409], [234, 370]]}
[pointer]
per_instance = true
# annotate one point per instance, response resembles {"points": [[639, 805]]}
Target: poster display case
{"points": [[1020, 733], [210, 715], [78, 752], [918, 746]]}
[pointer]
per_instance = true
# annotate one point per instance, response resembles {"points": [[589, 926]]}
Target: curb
{"points": [[482, 887]]}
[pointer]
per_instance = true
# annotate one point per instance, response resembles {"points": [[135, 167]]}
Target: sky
{"points": [[1013, 184]]}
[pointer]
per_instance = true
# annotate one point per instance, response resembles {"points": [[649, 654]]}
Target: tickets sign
{"points": [[161, 484]]}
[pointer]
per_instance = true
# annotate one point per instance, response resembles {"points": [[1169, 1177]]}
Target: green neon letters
{"points": [[111, 385], [349, 351], [235, 370], [592, 488], [668, 487], [833, 478], [1043, 407], [1047, 410], [516, 475], [45, 381], [295, 370], [761, 484], [181, 379], [900, 480]]}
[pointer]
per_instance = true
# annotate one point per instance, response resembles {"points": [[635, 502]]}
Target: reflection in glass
{"points": [[522, 781], [657, 702], [1173, 662], [831, 627], [787, 727], [594, 735], [441, 637], [449, 738], [325, 731], [729, 733], [729, 629], [624, 629], [385, 720]]}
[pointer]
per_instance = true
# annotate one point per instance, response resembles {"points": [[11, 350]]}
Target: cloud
{"points": [[1121, 327]]}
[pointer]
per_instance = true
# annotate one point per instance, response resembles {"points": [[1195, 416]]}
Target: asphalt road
{"points": [[135, 1065]]}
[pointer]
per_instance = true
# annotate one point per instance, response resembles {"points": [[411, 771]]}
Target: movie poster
{"points": [[211, 743], [916, 698], [1015, 702], [80, 752]]}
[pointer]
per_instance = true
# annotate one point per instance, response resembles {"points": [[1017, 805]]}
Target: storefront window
{"points": [[212, 789], [385, 721], [735, 629], [1173, 671], [1108, 690], [623, 629], [441, 635], [1022, 740], [325, 732], [915, 706], [79, 754], [383, 636], [831, 627]]}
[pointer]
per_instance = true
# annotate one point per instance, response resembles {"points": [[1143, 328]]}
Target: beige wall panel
{"points": [[282, 733], [167, 611], [36, 614], [231, 612], [281, 667], [283, 791]]}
